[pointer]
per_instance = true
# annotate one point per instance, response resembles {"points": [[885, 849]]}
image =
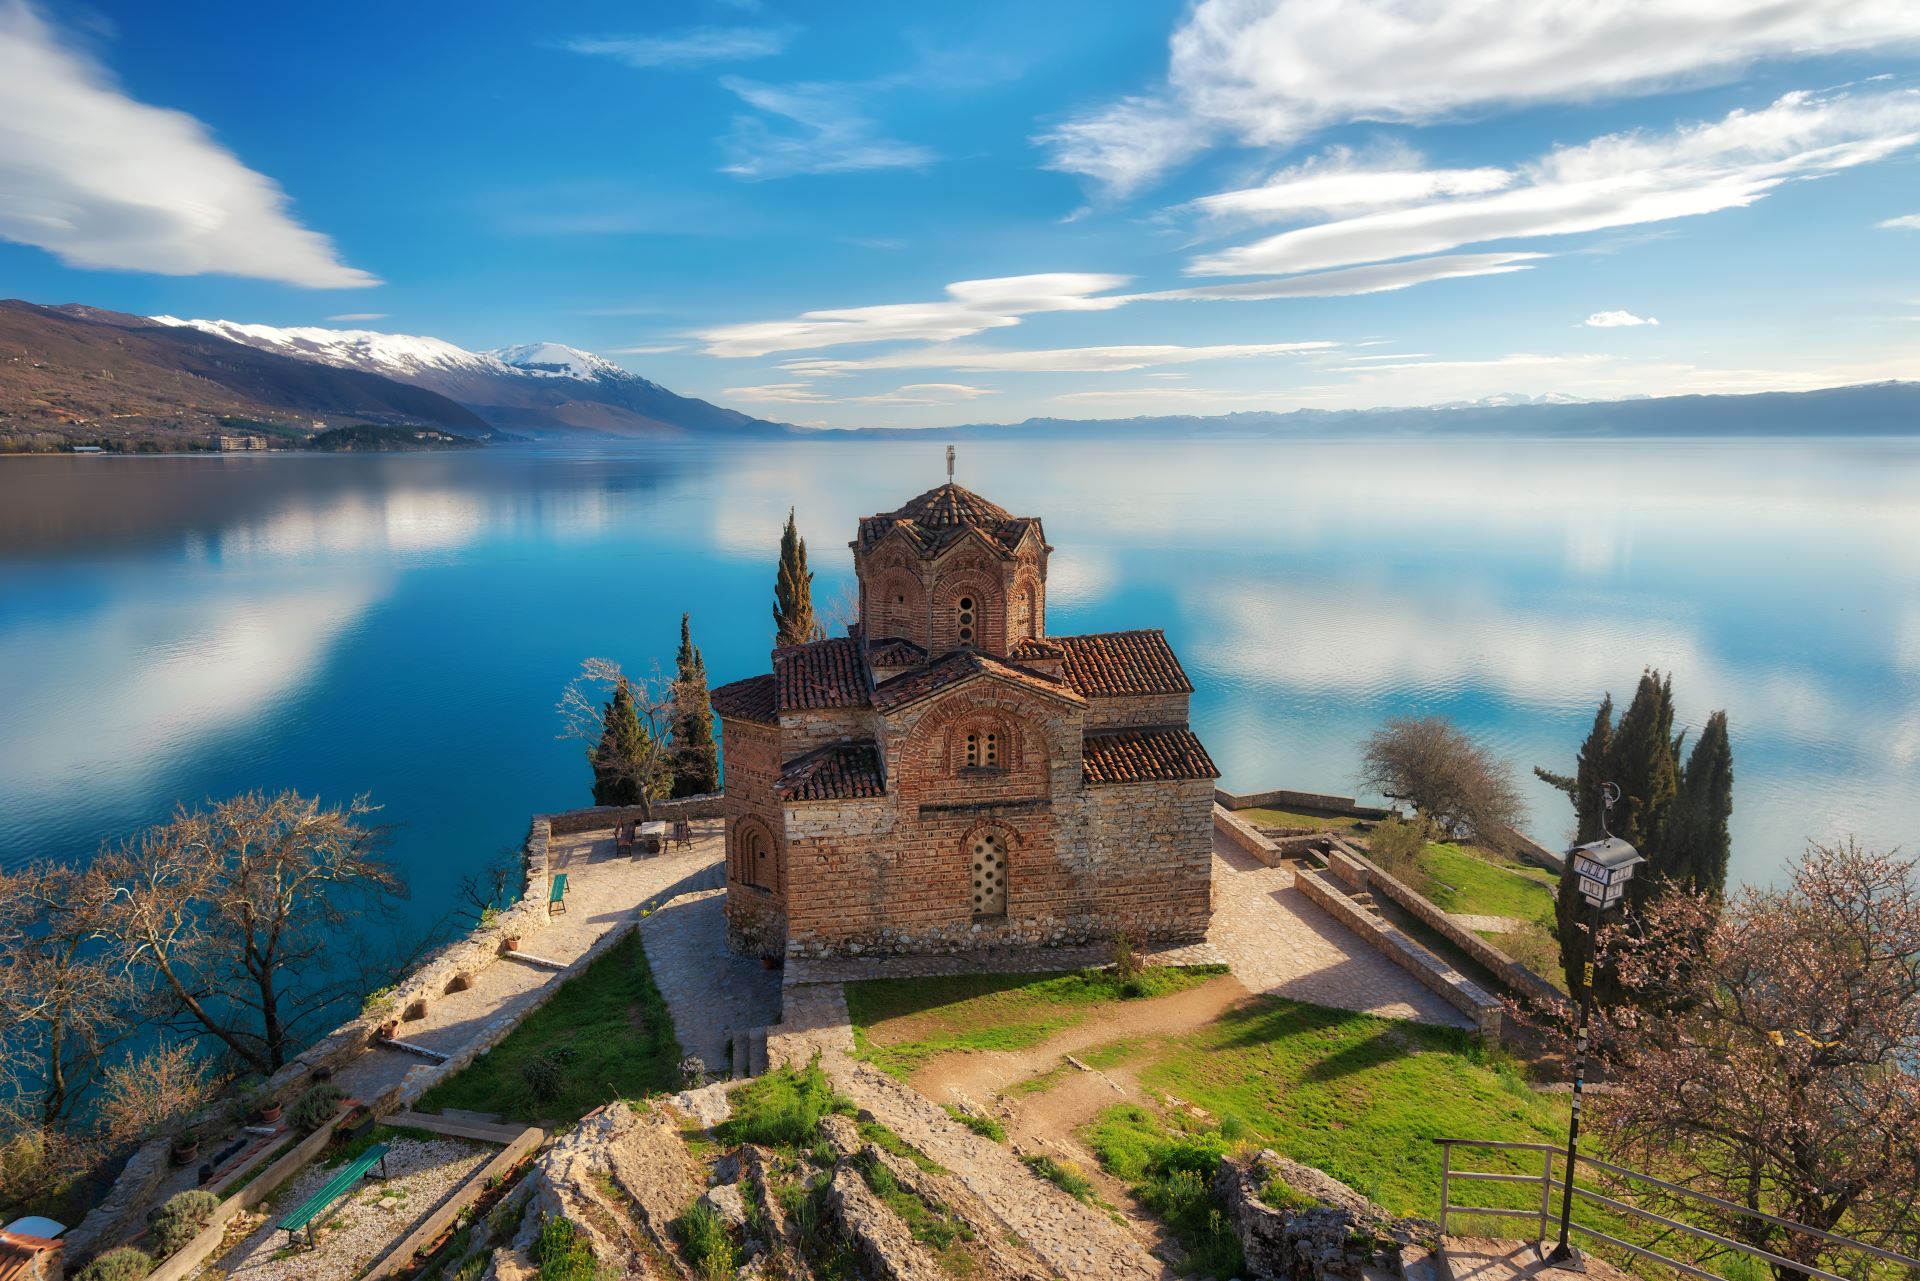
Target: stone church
{"points": [[950, 776]]}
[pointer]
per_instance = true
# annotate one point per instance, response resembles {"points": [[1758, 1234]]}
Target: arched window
{"points": [[987, 859], [753, 859], [966, 620], [1030, 609], [973, 751], [990, 756]]}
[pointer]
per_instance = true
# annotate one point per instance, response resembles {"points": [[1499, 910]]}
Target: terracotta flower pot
{"points": [[269, 1114], [185, 1151], [511, 943]]}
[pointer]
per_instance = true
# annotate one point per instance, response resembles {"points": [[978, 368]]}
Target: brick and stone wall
{"points": [[1141, 709], [756, 913], [1283, 799]]}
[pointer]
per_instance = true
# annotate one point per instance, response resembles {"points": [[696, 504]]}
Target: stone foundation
{"points": [[1329, 1232]]}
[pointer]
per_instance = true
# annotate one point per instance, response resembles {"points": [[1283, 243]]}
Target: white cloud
{"points": [[1905, 222], [1617, 320], [911, 394], [1070, 360], [1265, 73], [689, 47], [1341, 182], [1372, 279], [100, 180], [824, 131], [350, 316], [970, 306], [1615, 181], [657, 350]]}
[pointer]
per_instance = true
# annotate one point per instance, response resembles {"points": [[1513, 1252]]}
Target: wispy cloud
{"points": [[351, 316], [1058, 360], [1905, 222], [1264, 72], [688, 47], [1615, 181], [809, 128], [659, 350], [1616, 320], [101, 180], [1374, 278], [970, 307], [808, 394], [1344, 182]]}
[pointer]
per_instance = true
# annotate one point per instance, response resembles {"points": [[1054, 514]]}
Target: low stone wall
{"points": [[1243, 835], [1282, 799], [1434, 974], [596, 817], [1363, 873]]}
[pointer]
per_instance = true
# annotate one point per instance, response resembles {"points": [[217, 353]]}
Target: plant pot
{"points": [[510, 943], [269, 1114], [356, 1123], [186, 1152], [386, 1030]]}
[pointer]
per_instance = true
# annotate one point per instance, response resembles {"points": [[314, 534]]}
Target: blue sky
{"points": [[876, 214]]}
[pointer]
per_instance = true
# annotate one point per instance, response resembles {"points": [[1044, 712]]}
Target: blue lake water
{"points": [[402, 625]]}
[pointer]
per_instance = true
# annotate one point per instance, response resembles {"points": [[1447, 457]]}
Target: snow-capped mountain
{"points": [[532, 386]]}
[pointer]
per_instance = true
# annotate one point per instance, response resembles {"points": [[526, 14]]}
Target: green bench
{"points": [[308, 1214], [557, 896]]}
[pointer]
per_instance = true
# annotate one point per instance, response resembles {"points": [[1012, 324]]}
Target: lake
{"points": [[175, 628]]}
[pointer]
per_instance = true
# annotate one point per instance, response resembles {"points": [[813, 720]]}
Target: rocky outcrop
{"points": [[1321, 1230], [885, 1244]]}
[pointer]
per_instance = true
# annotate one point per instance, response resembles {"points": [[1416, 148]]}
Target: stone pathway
{"points": [[1279, 942], [602, 891], [712, 994], [1487, 924]]}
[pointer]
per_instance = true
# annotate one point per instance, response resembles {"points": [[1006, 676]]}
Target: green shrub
{"points": [[181, 1219], [782, 1109], [1397, 844], [380, 1001], [545, 1075], [124, 1264], [1064, 1175], [1184, 1200], [563, 1254], [1172, 1173], [315, 1107], [708, 1244]]}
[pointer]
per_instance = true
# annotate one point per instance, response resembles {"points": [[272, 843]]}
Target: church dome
{"points": [[942, 514]]}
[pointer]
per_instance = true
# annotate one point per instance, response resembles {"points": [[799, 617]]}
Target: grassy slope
{"points": [[990, 1011], [609, 1032], [1289, 818]]}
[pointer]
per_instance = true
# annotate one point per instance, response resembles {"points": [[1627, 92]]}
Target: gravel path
{"points": [[421, 1174]]}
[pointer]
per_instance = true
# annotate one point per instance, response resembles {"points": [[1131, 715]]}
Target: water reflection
{"points": [[174, 628]]}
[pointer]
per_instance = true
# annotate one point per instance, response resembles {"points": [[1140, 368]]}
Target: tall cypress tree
{"points": [[1583, 788], [793, 620], [1645, 767], [696, 760], [1697, 846], [619, 757]]}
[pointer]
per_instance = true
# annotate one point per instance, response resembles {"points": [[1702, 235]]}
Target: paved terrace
{"points": [[602, 891]]}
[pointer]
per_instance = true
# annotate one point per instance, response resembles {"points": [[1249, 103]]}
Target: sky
{"points": [[874, 214]]}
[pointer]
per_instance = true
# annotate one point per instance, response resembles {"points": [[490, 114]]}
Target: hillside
{"points": [[81, 375]]}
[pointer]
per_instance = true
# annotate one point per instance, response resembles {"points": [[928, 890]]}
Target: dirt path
{"points": [[1047, 1122]]}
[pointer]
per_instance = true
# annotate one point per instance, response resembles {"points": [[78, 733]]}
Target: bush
{"points": [[315, 1107], [563, 1254], [124, 1264], [545, 1075], [181, 1219], [1064, 1175], [1396, 845], [708, 1244]]}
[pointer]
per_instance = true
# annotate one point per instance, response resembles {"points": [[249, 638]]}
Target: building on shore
{"points": [[950, 776]]}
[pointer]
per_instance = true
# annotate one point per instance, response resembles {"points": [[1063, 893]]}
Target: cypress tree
{"points": [[619, 756], [793, 621], [696, 760], [1648, 774], [1697, 846], [1584, 790]]}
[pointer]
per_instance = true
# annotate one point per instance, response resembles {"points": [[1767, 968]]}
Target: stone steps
{"points": [[757, 1052], [538, 962], [738, 1042], [420, 1051]]}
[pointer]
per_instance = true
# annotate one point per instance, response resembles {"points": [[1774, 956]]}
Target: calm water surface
{"points": [[178, 628]]}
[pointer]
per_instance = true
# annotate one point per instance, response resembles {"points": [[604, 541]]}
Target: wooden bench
{"points": [[557, 896], [307, 1215]]}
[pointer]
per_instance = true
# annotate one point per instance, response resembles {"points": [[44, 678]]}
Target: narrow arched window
{"points": [[988, 855], [973, 751], [966, 620], [991, 756]]}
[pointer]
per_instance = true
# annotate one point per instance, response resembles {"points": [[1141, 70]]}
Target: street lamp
{"points": [[1601, 869]]}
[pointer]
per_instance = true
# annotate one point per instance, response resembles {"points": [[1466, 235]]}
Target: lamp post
{"points": [[1602, 869]]}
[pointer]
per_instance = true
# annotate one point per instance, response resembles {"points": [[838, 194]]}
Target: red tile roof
{"points": [[941, 515], [963, 665], [1144, 756], [1119, 664], [895, 652], [749, 700], [827, 673], [1037, 647], [839, 772]]}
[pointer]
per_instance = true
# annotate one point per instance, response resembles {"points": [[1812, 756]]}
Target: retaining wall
{"points": [[1433, 973], [1363, 873], [1244, 835], [1282, 799], [595, 817]]}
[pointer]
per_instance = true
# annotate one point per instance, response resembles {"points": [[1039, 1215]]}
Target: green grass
{"points": [[562, 1252], [984, 1126], [1293, 818], [1064, 1175], [782, 1109], [1171, 1171], [931, 1224], [1466, 881], [709, 1246], [605, 1035], [991, 1011]]}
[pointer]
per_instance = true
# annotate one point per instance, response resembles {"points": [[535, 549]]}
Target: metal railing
{"points": [[1546, 1222]]}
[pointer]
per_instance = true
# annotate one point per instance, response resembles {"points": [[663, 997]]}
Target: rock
{"points": [[728, 1202], [884, 1242], [1331, 1234], [708, 1105], [841, 1134]]}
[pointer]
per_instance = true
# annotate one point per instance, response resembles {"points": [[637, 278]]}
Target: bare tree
{"points": [[243, 919], [842, 612], [143, 1095], [1772, 1052], [491, 888], [63, 1000], [630, 757], [1451, 781]]}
